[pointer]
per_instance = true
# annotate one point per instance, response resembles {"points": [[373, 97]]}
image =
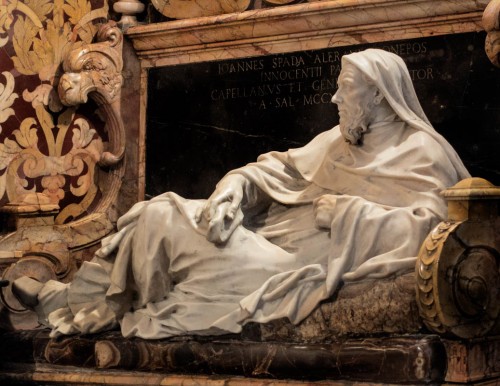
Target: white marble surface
{"points": [[279, 235]]}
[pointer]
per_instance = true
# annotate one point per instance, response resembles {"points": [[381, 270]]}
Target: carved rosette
{"points": [[457, 270]]}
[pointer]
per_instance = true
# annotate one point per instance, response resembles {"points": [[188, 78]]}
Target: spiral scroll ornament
{"points": [[457, 270]]}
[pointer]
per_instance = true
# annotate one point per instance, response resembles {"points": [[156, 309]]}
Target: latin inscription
{"points": [[292, 80], [228, 112]]}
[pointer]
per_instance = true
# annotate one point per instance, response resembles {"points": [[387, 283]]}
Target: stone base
{"points": [[366, 308], [72, 376], [408, 359], [32, 358], [474, 360]]}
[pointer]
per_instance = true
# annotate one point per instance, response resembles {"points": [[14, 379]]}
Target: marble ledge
{"points": [[407, 359], [300, 27], [62, 375]]}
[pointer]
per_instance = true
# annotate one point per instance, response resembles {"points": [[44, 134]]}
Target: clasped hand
{"points": [[221, 210], [324, 208]]}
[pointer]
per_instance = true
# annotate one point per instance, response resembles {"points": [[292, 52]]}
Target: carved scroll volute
{"points": [[491, 24], [458, 278], [95, 70]]}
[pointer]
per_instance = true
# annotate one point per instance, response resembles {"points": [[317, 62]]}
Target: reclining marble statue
{"points": [[277, 236]]}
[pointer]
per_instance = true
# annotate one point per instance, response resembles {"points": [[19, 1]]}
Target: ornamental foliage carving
{"points": [[61, 138], [45, 146]]}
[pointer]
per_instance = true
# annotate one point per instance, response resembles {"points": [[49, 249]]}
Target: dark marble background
{"points": [[207, 118]]}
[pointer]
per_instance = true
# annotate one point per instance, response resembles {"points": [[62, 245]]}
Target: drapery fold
{"points": [[159, 276], [164, 278]]}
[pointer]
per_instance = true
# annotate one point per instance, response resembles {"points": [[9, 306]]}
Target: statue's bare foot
{"points": [[26, 290]]}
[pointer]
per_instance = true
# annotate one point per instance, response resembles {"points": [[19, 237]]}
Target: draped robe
{"points": [[159, 276]]}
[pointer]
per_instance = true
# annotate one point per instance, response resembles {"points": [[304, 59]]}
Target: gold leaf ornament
{"points": [[45, 95], [6, 18], [26, 136], [24, 61], [83, 135], [8, 150], [7, 97], [41, 50], [42, 34], [40, 8], [76, 10], [29, 8]]}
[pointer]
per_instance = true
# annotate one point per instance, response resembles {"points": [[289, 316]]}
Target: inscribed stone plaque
{"points": [[205, 119]]}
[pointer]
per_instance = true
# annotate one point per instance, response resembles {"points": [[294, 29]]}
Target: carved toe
{"points": [[26, 290]]}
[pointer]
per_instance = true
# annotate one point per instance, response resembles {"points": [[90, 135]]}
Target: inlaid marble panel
{"points": [[45, 146]]}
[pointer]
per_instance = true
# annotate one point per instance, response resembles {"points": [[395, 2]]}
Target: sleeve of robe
{"points": [[371, 237]]}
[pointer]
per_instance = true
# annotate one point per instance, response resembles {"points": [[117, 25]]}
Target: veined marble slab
{"points": [[300, 27]]}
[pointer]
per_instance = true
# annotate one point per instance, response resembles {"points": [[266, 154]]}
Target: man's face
{"points": [[354, 99]]}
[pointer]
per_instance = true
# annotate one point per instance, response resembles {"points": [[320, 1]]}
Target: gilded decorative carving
{"points": [[7, 9], [60, 166], [36, 157], [23, 154], [7, 97], [458, 279], [426, 275], [96, 68]]}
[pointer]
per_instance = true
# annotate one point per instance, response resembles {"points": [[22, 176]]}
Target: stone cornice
{"points": [[298, 27]]}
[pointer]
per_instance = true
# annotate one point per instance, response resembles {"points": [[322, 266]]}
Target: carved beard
{"points": [[353, 124]]}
